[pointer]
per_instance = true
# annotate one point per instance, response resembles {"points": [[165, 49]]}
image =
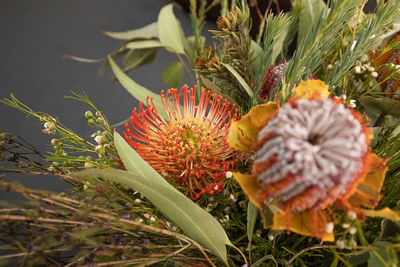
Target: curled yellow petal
{"points": [[368, 191], [383, 213], [304, 223], [243, 132], [312, 88], [250, 187]]}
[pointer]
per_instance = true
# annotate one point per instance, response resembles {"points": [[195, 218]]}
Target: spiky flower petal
{"points": [[189, 147]]}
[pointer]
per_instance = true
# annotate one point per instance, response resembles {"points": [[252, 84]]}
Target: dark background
{"points": [[35, 35]]}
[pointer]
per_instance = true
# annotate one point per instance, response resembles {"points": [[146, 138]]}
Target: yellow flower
{"points": [[308, 155]]}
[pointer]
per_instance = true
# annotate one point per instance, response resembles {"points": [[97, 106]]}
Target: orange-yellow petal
{"points": [[250, 187], [368, 191], [383, 213], [312, 89], [304, 223], [243, 132]]}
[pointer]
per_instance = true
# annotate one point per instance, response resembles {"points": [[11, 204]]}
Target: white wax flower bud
{"points": [[329, 67], [329, 228], [357, 69], [352, 230], [351, 215], [98, 148], [374, 74], [98, 139], [228, 175], [341, 243], [345, 225]]}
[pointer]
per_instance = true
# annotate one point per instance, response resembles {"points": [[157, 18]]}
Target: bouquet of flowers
{"points": [[282, 151]]}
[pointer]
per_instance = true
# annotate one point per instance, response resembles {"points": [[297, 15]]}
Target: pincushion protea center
{"points": [[189, 148]]}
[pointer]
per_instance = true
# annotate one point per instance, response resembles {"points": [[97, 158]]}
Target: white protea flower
{"points": [[318, 145]]}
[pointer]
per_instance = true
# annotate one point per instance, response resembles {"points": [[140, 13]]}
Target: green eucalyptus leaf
{"points": [[146, 32], [173, 74], [170, 30], [134, 163], [252, 214], [310, 11], [239, 78], [139, 92], [382, 255], [140, 44], [381, 104], [138, 57], [193, 220], [358, 258]]}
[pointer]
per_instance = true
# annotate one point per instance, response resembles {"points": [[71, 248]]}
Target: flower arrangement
{"points": [[274, 156]]}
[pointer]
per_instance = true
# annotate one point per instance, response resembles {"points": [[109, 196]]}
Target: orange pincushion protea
{"points": [[308, 155], [189, 147]]}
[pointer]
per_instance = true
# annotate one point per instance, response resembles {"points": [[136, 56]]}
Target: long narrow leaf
{"points": [[143, 44], [239, 78], [170, 30], [193, 220], [252, 213], [134, 163], [146, 32]]}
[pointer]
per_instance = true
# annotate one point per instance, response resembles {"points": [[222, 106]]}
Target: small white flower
{"points": [[87, 165], [53, 142], [138, 201], [341, 243], [352, 230], [140, 220], [85, 187], [98, 148], [271, 237], [329, 67], [329, 228], [357, 69], [98, 139], [351, 215], [374, 74], [345, 225], [228, 175], [352, 103], [152, 219], [232, 197]]}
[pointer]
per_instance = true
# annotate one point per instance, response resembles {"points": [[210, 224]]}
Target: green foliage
{"points": [[173, 74], [170, 31]]}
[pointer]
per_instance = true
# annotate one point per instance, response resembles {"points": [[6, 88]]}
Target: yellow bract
{"points": [[312, 89], [243, 132], [301, 223]]}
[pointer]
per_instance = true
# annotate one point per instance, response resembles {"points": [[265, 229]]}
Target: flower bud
{"points": [[88, 114]]}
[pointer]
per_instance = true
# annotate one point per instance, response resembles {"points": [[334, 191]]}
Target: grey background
{"points": [[34, 35]]}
